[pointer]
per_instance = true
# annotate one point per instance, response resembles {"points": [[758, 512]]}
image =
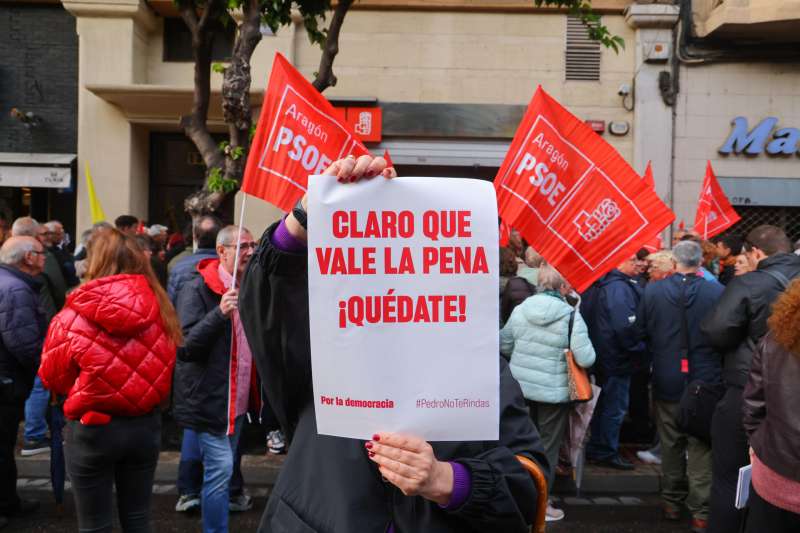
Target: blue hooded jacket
{"points": [[660, 327], [609, 308]]}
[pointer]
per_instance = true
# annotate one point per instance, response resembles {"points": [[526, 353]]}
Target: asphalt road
{"points": [[621, 516]]}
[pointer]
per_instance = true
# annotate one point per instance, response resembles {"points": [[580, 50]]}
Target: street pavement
{"points": [[595, 514]]}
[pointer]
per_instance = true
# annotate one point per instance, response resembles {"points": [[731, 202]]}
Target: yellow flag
{"points": [[94, 204]]}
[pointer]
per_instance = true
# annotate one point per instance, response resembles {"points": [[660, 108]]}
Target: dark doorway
{"points": [[176, 171]]}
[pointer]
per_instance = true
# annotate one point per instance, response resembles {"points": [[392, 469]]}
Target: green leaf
{"points": [[218, 68]]}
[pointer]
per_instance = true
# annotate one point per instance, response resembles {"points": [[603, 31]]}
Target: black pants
{"points": [[728, 455], [124, 453], [764, 517], [10, 416]]}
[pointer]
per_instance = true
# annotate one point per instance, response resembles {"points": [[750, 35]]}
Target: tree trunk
{"points": [[325, 77]]}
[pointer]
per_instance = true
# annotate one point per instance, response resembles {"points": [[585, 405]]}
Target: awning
{"points": [[52, 171]]}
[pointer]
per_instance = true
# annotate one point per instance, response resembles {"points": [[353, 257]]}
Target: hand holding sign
{"points": [[400, 273]]}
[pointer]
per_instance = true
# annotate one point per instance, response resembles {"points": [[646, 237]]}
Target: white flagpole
{"points": [[239, 241]]}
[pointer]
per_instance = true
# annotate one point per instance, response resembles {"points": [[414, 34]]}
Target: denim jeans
{"points": [[122, 453], [608, 416], [36, 411], [190, 468], [217, 453]]}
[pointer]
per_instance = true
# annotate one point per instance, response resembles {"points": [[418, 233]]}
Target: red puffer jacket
{"points": [[108, 351]]}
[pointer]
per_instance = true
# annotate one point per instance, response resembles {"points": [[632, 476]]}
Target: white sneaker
{"points": [[187, 503], [647, 456], [552, 514]]}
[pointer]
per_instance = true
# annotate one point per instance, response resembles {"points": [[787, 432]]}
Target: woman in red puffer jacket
{"points": [[111, 351]]}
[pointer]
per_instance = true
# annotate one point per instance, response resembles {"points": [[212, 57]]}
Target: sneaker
{"points": [[35, 447], [552, 514], [187, 503], [276, 444], [240, 503], [648, 457], [699, 525]]}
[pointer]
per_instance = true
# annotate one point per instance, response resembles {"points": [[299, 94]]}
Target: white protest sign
{"points": [[403, 306]]}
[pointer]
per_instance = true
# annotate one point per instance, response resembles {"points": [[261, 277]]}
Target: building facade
{"points": [[38, 111], [452, 79]]}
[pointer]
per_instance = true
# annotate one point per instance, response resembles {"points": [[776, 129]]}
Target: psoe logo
{"points": [[364, 124], [592, 225]]}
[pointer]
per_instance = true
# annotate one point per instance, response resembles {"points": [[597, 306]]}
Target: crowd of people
{"points": [[672, 334], [694, 348], [131, 325]]}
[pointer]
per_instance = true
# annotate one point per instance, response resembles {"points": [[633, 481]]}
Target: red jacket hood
{"points": [[209, 269], [122, 305]]}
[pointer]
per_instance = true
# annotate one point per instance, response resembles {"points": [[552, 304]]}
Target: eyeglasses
{"points": [[37, 252], [243, 246]]}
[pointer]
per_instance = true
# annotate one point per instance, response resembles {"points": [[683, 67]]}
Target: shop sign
{"points": [[46, 177], [742, 140]]}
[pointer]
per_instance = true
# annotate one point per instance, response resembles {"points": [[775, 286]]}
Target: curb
{"points": [[263, 470]]}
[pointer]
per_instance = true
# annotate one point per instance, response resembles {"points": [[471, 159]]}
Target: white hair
{"points": [[549, 279], [25, 227], [156, 229], [13, 251], [229, 234], [688, 254]]}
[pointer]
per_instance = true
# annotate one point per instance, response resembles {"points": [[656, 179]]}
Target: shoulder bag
{"points": [[580, 389]]}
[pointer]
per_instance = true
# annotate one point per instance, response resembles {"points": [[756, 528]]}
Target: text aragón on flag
{"points": [[298, 134], [572, 196]]}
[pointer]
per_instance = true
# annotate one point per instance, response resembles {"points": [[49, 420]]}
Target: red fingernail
{"points": [[368, 445], [372, 454], [376, 437]]}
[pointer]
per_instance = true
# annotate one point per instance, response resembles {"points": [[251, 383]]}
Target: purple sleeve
{"points": [[462, 485], [285, 241]]}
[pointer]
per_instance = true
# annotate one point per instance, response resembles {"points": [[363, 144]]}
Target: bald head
{"points": [[24, 253], [206, 230]]}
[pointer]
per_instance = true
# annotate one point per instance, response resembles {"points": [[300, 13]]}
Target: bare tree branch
{"points": [[325, 77]]}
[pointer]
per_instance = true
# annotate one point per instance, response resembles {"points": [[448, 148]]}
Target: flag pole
{"points": [[239, 241]]}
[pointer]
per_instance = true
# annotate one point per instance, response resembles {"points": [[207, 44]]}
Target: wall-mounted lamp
{"points": [[29, 119]]}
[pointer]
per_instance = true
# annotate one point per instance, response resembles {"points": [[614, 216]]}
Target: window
{"points": [[178, 41], [583, 53]]}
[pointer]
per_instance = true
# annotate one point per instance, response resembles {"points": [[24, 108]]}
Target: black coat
{"points": [[518, 289], [769, 403], [609, 307], [739, 321], [202, 370], [328, 484], [660, 326], [22, 329]]}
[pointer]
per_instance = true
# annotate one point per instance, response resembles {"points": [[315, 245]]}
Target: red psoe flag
{"points": [[656, 243], [298, 134], [573, 197], [715, 213]]}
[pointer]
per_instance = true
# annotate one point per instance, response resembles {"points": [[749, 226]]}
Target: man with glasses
{"points": [[22, 329], [52, 296], [734, 328], [213, 374]]}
